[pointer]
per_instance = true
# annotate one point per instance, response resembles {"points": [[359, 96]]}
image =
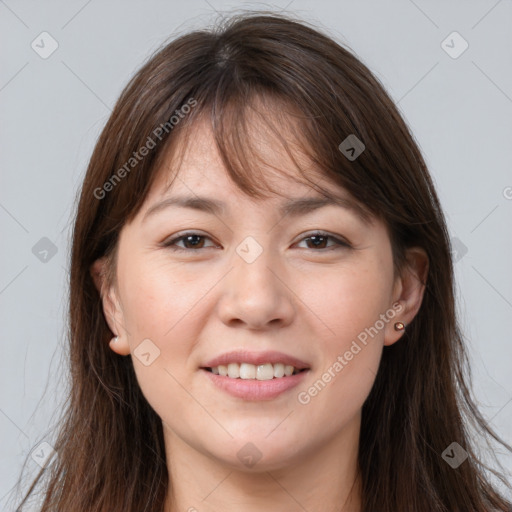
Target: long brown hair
{"points": [[110, 444]]}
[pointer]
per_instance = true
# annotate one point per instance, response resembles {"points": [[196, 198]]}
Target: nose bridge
{"points": [[254, 261], [253, 292]]}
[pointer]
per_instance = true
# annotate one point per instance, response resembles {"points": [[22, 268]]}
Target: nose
{"points": [[255, 294]]}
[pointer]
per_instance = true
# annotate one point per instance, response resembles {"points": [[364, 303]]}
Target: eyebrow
{"points": [[293, 207]]}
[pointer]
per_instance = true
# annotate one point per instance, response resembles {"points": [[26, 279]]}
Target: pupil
{"points": [[316, 239], [196, 237]]}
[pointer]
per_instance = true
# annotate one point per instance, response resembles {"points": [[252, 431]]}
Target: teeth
{"points": [[248, 371], [265, 371], [233, 370], [279, 370]]}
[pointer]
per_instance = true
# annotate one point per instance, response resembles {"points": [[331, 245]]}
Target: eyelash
{"points": [[169, 244]]}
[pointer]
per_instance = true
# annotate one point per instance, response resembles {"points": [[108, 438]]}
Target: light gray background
{"points": [[53, 110]]}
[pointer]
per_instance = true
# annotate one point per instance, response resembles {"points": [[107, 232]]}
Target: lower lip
{"points": [[252, 389]]}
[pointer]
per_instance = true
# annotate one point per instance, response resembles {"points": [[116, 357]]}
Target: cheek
{"points": [[343, 380], [351, 301], [159, 301], [160, 309], [355, 309]]}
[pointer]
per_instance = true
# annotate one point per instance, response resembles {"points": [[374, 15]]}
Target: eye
{"points": [[193, 241], [319, 238]]}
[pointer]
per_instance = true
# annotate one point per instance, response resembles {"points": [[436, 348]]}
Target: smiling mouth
{"points": [[247, 371]]}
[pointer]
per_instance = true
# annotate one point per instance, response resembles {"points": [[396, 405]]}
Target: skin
{"points": [[295, 298]]}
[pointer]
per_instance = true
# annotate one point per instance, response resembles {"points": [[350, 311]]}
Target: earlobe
{"points": [[395, 328], [119, 346]]}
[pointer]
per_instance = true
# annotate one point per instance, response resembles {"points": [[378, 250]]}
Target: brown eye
{"points": [[191, 241], [194, 241], [319, 240]]}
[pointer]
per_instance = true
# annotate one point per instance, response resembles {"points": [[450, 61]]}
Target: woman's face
{"points": [[253, 284]]}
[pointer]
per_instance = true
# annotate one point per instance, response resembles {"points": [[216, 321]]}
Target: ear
{"points": [[408, 292], [112, 310]]}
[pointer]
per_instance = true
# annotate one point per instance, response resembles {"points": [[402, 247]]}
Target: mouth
{"points": [[255, 376], [248, 371]]}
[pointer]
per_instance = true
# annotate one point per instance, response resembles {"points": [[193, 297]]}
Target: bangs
{"points": [[250, 133]]}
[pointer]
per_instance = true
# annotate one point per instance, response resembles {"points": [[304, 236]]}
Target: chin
{"points": [[253, 455]]}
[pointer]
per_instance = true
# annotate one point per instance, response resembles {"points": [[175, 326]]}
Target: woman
{"points": [[262, 311]]}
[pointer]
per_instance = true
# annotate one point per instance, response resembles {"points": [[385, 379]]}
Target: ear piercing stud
{"points": [[399, 326]]}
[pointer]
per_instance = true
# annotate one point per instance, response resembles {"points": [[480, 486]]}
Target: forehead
{"points": [[193, 165]]}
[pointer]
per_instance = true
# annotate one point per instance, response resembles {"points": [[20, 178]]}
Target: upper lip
{"points": [[256, 358]]}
